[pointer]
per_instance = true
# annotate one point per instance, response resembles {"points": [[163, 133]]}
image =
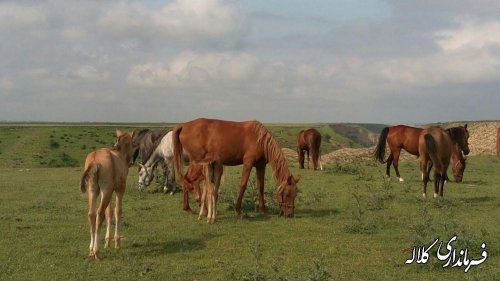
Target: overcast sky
{"points": [[392, 61]]}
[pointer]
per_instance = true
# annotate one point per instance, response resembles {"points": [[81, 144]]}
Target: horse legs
{"points": [[308, 159], [105, 198], [92, 197], [389, 163], [301, 157], [260, 173], [118, 216], [320, 165], [109, 212], [425, 175], [243, 185], [395, 162], [437, 183]]}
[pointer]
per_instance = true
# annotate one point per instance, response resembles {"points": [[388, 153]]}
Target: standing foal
{"points": [[106, 170]]}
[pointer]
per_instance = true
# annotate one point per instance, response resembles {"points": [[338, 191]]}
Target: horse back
{"points": [[404, 137], [112, 171], [228, 142]]}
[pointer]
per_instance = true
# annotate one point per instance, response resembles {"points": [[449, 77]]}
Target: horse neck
{"points": [[456, 155], [124, 155], [153, 158], [275, 157]]}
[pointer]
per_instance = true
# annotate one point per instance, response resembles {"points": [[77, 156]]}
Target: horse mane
{"points": [[156, 139], [273, 153]]}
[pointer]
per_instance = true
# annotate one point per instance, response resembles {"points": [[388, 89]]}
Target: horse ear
{"points": [[132, 134], [119, 133], [465, 126], [291, 180], [297, 179]]}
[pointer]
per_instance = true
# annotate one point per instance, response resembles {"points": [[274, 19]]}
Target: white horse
{"points": [[164, 150]]}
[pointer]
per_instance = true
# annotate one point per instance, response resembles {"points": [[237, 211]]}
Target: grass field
{"points": [[350, 224]]}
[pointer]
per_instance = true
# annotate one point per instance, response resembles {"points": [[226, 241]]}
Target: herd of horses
{"points": [[207, 145]]}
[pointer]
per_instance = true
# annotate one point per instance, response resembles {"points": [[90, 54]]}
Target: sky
{"points": [[364, 61]]}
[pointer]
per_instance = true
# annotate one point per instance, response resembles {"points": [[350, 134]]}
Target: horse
{"points": [[397, 137], [105, 171], [146, 144], [402, 137], [215, 143], [459, 162], [191, 184], [160, 149], [309, 141], [435, 146]]}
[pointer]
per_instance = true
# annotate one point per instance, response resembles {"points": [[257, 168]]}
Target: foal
{"points": [[106, 170]]}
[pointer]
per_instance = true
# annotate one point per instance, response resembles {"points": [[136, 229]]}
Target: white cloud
{"points": [[190, 68], [471, 34], [14, 16], [184, 21], [86, 72]]}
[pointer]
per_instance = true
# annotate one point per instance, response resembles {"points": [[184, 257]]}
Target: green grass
{"points": [[350, 224]]}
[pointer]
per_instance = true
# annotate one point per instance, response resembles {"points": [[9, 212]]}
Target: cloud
{"points": [[14, 16], [181, 21], [471, 34], [191, 68]]}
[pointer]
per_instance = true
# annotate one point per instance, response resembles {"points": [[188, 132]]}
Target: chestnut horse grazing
{"points": [[435, 146], [191, 184], [106, 170], [309, 141], [214, 143]]}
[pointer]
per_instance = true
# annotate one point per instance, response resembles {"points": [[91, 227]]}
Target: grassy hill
{"points": [[66, 145]]}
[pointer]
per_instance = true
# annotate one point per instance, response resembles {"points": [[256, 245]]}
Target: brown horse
{"points": [[498, 142], [106, 170], [214, 143], [407, 138], [435, 147], [309, 141], [458, 163], [191, 184], [397, 137]]}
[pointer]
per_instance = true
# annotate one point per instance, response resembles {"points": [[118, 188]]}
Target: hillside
{"points": [[58, 145]]}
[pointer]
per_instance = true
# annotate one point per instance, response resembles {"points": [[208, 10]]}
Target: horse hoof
{"points": [[424, 196], [436, 195], [401, 180]]}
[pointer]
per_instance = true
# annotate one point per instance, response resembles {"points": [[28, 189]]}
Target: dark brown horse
{"points": [[435, 147], [407, 138], [458, 163], [105, 172], [309, 141], [214, 143]]}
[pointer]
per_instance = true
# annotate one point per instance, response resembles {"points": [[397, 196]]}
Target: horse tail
{"points": [[177, 154], [379, 153], [91, 173], [430, 145], [314, 147]]}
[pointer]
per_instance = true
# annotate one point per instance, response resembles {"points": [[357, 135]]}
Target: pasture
{"points": [[350, 222]]}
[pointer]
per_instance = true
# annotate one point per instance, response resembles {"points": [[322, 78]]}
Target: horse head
{"points": [[146, 175], [125, 143], [460, 135], [285, 196], [192, 187], [458, 169]]}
